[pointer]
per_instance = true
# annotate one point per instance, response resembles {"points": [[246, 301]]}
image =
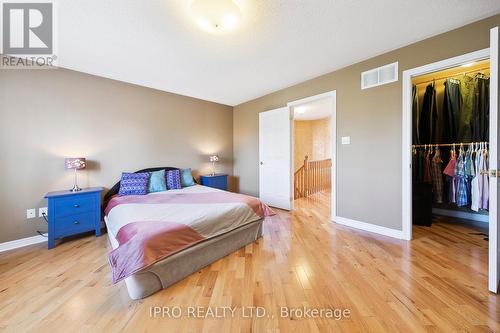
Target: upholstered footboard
{"points": [[180, 265]]}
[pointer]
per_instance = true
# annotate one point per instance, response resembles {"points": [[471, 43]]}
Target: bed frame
{"points": [[174, 268]]}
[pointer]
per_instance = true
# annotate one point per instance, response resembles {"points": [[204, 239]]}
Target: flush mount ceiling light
{"points": [[216, 16]]}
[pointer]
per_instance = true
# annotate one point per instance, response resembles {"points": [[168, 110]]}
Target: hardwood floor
{"points": [[436, 283]]}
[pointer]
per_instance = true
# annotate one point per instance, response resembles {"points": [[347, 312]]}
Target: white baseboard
{"points": [[369, 227], [462, 215], [21, 243]]}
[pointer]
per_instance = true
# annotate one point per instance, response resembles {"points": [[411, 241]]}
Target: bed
{"points": [[161, 238]]}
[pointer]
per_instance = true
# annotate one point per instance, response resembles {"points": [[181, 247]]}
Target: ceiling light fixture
{"points": [[216, 16]]}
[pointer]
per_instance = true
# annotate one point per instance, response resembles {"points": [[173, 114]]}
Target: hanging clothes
{"points": [[427, 167], [469, 172], [420, 165], [461, 180], [449, 171], [452, 103], [428, 116], [415, 115], [481, 114], [467, 90], [484, 180], [437, 177], [475, 194]]}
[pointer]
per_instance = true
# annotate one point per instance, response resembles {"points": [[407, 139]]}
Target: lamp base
{"points": [[76, 188]]}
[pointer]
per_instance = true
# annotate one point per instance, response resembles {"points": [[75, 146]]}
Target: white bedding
{"points": [[208, 220]]}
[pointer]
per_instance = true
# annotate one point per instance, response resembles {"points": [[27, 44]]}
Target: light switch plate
{"points": [[42, 211], [346, 140], [31, 213]]}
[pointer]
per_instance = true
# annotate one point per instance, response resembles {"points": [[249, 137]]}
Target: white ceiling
{"points": [[280, 42], [318, 109]]}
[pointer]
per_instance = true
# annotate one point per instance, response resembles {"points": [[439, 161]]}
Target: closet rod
{"points": [[448, 144], [452, 76]]}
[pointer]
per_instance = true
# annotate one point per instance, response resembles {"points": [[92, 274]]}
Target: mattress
{"points": [[221, 223]]}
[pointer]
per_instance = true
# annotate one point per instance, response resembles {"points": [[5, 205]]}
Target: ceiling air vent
{"points": [[379, 76]]}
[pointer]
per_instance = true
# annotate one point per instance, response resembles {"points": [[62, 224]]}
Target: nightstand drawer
{"points": [[215, 181], [70, 225], [74, 205]]}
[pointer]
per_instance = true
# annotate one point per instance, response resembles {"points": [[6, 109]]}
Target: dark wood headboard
{"points": [[116, 188]]}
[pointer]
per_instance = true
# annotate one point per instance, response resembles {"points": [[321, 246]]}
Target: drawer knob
{"points": [[77, 206], [76, 222]]}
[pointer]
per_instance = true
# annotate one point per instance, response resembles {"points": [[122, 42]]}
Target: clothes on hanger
{"points": [[461, 180], [475, 192], [428, 116], [437, 177], [484, 180], [467, 89], [449, 172], [464, 116], [452, 103], [415, 115], [427, 167], [481, 114], [464, 180]]}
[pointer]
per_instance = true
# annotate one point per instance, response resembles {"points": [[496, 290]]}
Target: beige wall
{"points": [[313, 139], [46, 115], [369, 169]]}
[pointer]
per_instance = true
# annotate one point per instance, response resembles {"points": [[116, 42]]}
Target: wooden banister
{"points": [[312, 177]]}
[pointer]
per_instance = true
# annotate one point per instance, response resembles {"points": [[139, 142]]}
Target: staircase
{"points": [[312, 177]]}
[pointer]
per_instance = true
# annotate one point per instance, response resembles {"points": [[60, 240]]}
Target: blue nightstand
{"points": [[216, 181], [72, 213]]}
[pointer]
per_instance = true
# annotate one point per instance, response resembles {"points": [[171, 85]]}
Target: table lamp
{"points": [[213, 159], [75, 163]]}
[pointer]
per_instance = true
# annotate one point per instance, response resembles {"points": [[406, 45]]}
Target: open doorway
{"points": [[312, 151], [450, 142]]}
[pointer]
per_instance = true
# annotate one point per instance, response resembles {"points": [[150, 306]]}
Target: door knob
{"points": [[261, 163]]}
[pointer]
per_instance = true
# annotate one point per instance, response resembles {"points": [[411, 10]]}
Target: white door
{"points": [[275, 158], [494, 235]]}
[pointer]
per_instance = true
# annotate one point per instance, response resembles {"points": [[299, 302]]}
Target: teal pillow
{"points": [[186, 178], [157, 181]]}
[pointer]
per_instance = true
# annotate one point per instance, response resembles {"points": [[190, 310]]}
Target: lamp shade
{"points": [[76, 163], [214, 158]]}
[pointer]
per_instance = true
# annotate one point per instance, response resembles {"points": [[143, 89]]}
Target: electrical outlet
{"points": [[42, 211], [31, 213]]}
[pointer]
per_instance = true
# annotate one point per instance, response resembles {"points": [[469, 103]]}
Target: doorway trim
{"points": [[333, 95], [407, 125]]}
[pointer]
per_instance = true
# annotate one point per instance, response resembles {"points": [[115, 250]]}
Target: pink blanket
{"points": [[143, 243]]}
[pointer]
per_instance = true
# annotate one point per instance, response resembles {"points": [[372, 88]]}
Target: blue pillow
{"points": [[157, 182], [134, 183], [186, 178], [173, 179]]}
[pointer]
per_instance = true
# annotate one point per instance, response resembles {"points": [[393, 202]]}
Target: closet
{"points": [[450, 120]]}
